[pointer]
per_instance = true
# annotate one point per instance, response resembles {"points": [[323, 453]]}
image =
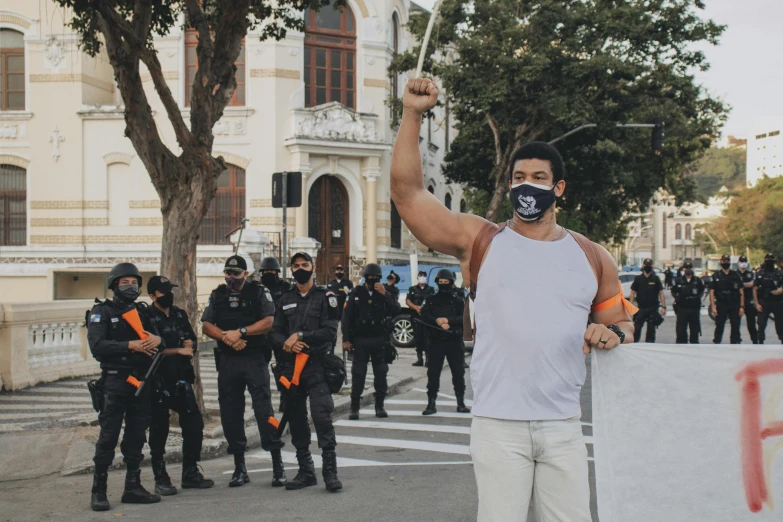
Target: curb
{"points": [[215, 445]]}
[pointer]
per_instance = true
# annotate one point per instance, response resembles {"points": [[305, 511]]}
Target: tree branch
{"points": [[142, 19], [496, 135], [150, 59], [228, 41]]}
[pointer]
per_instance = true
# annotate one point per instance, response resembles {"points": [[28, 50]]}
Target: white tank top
{"points": [[531, 309]]}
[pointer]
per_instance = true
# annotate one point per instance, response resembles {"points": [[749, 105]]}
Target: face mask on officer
{"points": [[725, 266], [372, 281], [339, 275], [743, 266], [444, 287], [127, 293], [689, 272], [422, 280], [269, 279], [647, 269], [302, 276], [769, 265], [234, 279], [166, 300]]}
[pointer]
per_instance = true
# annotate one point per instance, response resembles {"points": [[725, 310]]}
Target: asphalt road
{"points": [[406, 467]]}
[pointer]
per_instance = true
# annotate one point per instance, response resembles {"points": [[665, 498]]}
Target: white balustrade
{"points": [[53, 345]]}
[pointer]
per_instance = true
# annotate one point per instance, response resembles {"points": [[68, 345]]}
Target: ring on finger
{"points": [[602, 341]]}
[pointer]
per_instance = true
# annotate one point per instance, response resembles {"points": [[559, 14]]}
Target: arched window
{"points": [[330, 56], [227, 209], [396, 227], [191, 65], [447, 201], [678, 231], [463, 206], [11, 70], [431, 189], [687, 232], [13, 206]]}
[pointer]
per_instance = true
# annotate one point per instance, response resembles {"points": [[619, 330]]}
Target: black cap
{"points": [[743, 259], [688, 264], [769, 257], [422, 272], [647, 261], [339, 267], [159, 283], [236, 262], [725, 257], [303, 255]]}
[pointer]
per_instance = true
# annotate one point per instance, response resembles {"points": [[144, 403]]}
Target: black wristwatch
{"points": [[243, 331], [618, 331]]}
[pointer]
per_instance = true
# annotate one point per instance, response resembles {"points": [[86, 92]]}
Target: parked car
{"points": [[626, 280]]}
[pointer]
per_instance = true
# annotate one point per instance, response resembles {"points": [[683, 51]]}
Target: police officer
{"points": [[270, 278], [340, 285], [668, 277], [122, 354], [391, 285], [368, 312], [237, 316], [768, 293], [727, 300], [688, 292], [748, 280], [173, 390], [307, 321], [417, 294], [648, 292], [443, 312]]}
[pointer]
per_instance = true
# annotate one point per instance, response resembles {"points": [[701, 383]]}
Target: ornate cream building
{"points": [[75, 198]]}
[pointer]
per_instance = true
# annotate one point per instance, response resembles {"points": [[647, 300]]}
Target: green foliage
{"points": [[719, 168], [540, 68], [752, 220]]}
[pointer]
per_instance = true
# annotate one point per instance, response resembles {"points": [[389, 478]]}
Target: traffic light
{"points": [[657, 136]]}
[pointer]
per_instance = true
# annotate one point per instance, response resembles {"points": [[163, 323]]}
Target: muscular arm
{"points": [[260, 327], [425, 216], [211, 331], [608, 288]]}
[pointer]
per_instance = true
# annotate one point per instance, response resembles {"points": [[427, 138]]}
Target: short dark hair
{"points": [[542, 151]]}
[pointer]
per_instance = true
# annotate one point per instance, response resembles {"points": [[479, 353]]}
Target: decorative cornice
{"points": [[72, 78], [292, 74], [15, 20], [74, 204], [374, 82], [16, 161], [145, 203]]}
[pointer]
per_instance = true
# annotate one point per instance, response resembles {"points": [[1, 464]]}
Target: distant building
{"points": [[765, 154], [733, 142]]}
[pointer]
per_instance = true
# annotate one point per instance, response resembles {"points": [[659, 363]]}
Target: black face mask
{"points": [[302, 276], [769, 265], [166, 300], [725, 266], [127, 293], [444, 288], [689, 272], [338, 275], [269, 279], [234, 284], [371, 282], [647, 269], [530, 201]]}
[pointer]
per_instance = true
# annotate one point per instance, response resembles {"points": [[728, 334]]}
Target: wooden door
{"points": [[328, 215]]}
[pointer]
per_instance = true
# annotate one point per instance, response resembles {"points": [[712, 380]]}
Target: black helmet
{"points": [[270, 263], [123, 270], [445, 273], [372, 270]]}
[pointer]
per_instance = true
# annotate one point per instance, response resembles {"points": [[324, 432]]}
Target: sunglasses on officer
{"points": [[233, 271]]}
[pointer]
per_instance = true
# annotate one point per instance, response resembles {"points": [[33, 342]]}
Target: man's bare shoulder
{"points": [[470, 227]]}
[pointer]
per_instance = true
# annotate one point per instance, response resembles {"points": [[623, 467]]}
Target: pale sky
{"points": [[747, 66]]}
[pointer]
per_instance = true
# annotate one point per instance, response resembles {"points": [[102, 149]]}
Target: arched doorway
{"points": [[328, 215]]}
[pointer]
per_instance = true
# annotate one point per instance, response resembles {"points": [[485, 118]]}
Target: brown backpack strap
{"points": [[480, 246], [593, 253]]}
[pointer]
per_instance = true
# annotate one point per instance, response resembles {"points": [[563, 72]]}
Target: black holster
{"points": [[96, 394], [389, 352], [218, 354], [186, 397]]}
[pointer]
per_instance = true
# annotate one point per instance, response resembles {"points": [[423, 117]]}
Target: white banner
{"points": [[688, 433]]}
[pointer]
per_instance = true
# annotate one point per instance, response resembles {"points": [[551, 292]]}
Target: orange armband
{"points": [[612, 301]]}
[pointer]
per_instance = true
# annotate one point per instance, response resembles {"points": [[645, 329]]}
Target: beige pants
{"points": [[514, 459]]}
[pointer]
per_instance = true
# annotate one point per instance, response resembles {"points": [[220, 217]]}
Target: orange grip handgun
{"points": [[299, 364], [132, 318]]}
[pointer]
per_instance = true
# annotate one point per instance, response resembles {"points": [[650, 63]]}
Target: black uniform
{"points": [[108, 335], [174, 388], [767, 281], [728, 292], [319, 328], [687, 305], [750, 305], [366, 320], [446, 344], [242, 369], [648, 289], [392, 289], [417, 295], [341, 288], [277, 290]]}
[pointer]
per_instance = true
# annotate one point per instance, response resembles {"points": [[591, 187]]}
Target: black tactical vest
{"points": [[688, 293], [370, 313], [237, 310], [120, 330], [445, 304]]}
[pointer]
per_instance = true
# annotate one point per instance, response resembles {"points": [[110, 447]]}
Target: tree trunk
{"points": [[183, 208], [501, 189]]}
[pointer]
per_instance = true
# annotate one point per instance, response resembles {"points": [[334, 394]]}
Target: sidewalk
{"points": [[52, 428]]}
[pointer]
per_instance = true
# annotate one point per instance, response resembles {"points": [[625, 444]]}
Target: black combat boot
{"points": [[419, 360], [333, 484], [430, 409], [134, 492], [461, 408], [98, 501], [278, 470], [380, 412], [306, 475], [355, 405], [163, 485], [192, 477], [239, 478]]}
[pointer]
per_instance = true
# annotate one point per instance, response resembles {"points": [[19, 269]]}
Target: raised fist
{"points": [[420, 95]]}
